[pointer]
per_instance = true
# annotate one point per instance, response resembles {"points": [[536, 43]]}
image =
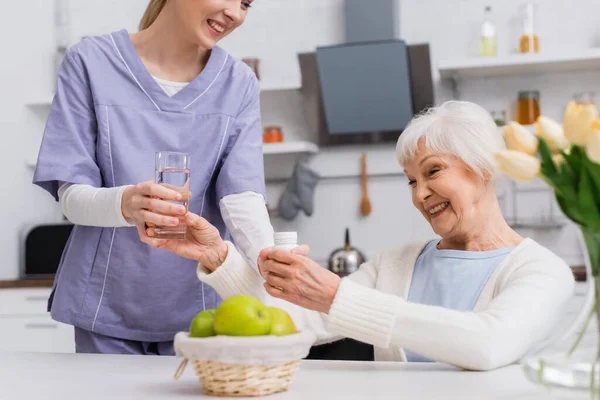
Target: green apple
{"points": [[203, 324], [281, 322], [242, 315]]}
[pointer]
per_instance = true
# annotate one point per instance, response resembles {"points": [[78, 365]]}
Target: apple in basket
{"points": [[281, 322], [242, 315], [243, 348], [203, 324]]}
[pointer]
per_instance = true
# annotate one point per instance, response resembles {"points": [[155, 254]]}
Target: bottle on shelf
{"points": [[529, 42], [528, 107], [488, 34], [499, 117], [587, 97]]}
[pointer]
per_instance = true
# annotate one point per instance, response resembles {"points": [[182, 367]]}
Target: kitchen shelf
{"points": [[293, 147], [519, 64], [345, 177], [533, 224], [273, 86], [31, 163], [40, 101]]}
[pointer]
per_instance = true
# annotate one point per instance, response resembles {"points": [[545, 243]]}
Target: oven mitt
{"points": [[299, 192]]}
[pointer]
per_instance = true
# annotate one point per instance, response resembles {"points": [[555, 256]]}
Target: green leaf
{"points": [[575, 158], [571, 212], [587, 201], [567, 183], [563, 180], [547, 168], [592, 243], [594, 170], [594, 173]]}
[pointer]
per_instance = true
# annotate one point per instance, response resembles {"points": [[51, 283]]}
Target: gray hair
{"points": [[463, 129]]}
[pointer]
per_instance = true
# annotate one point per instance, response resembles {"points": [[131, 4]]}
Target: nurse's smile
{"points": [[215, 27]]}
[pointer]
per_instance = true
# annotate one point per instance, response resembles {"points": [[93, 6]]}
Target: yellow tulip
{"points": [[552, 132], [519, 166], [593, 145], [520, 139], [578, 122]]}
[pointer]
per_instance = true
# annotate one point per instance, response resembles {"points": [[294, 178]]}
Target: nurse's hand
{"points": [[148, 203], [203, 242]]}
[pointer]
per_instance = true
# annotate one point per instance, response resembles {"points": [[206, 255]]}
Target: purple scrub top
{"points": [[108, 118]]}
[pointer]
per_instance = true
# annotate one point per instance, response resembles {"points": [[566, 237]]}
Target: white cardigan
{"points": [[519, 306]]}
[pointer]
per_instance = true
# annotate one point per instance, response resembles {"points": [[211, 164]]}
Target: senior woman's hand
{"points": [[203, 242], [298, 279]]}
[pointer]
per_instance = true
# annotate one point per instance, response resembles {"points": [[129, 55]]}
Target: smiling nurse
{"points": [[120, 98]]}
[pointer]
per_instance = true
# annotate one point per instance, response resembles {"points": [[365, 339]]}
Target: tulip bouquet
{"points": [[567, 157]]}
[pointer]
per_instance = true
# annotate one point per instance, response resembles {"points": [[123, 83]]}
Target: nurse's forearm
{"points": [[246, 217], [90, 206]]}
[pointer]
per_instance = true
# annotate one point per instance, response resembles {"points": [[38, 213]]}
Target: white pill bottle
{"points": [[285, 240]]}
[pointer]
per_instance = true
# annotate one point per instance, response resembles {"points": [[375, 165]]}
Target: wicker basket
{"points": [[244, 366]]}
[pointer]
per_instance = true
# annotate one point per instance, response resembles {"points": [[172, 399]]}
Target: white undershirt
{"points": [[244, 214], [170, 87]]}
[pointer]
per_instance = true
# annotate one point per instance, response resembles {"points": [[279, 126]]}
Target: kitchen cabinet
{"points": [[26, 326]]}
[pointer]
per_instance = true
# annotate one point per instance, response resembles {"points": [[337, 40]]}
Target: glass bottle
{"points": [[584, 97], [529, 42], [499, 117], [528, 107], [488, 34]]}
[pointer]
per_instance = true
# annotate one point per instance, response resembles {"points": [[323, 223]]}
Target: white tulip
{"points": [[578, 122], [552, 133], [520, 139], [517, 165], [593, 146]]}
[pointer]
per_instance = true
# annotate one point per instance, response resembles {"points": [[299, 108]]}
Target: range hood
{"points": [[366, 89], [371, 21]]}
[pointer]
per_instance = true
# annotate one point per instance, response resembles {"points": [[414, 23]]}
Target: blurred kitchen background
{"points": [[438, 49]]}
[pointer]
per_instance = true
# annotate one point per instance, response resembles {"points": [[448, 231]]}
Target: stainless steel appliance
{"points": [[345, 260]]}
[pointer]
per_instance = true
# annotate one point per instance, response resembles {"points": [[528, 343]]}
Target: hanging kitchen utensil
{"points": [[345, 260], [365, 203]]}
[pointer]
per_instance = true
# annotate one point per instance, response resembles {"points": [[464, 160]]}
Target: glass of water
{"points": [[173, 171]]}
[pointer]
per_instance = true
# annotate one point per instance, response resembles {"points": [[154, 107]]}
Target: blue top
{"points": [[108, 118], [451, 279]]}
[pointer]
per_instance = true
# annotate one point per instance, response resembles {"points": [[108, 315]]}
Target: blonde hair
{"points": [[461, 128], [154, 8]]}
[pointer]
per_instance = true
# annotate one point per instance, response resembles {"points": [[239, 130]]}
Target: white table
{"points": [[45, 376]]}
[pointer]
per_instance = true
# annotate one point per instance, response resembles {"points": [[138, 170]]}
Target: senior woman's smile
{"points": [[451, 197], [448, 159]]}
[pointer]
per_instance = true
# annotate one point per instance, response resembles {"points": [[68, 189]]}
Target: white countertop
{"points": [[44, 376]]}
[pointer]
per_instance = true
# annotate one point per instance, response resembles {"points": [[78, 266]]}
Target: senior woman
{"points": [[478, 298]]}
